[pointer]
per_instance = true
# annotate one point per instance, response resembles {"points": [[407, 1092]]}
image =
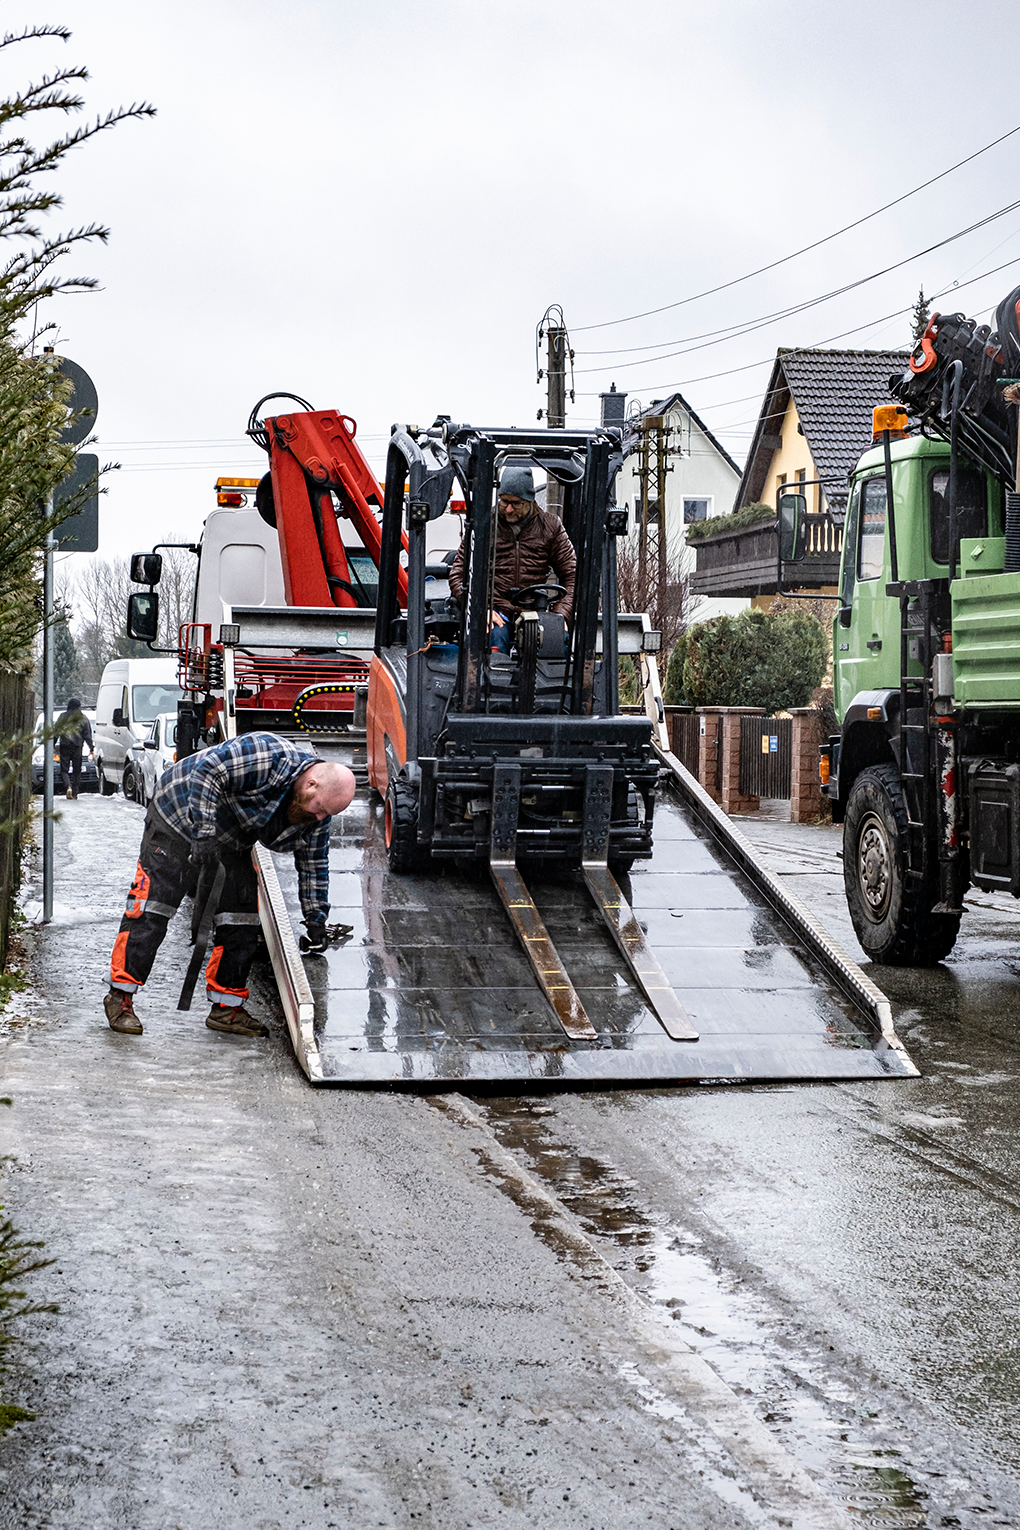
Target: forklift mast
{"points": [[483, 756]]}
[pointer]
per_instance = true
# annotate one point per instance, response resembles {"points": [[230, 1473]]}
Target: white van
{"points": [[132, 694]]}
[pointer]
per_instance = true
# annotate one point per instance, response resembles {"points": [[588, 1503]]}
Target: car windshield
{"points": [[147, 701]]}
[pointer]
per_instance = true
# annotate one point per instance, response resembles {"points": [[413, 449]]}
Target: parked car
{"points": [[147, 761], [89, 780], [132, 694]]}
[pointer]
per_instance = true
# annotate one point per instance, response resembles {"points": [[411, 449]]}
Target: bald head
{"points": [[320, 791]]}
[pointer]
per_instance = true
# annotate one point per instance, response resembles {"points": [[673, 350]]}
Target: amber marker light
{"points": [[891, 417], [232, 493]]}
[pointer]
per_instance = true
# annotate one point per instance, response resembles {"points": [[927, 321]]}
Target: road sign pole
{"points": [[48, 708]]}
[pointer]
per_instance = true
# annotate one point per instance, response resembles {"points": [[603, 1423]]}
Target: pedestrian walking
{"points": [[212, 807], [73, 731]]}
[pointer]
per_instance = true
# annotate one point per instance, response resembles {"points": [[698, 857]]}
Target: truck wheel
{"points": [[400, 827], [892, 913], [130, 785], [105, 789]]}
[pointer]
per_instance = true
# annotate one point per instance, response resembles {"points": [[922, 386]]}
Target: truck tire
{"points": [[400, 828], [892, 913]]}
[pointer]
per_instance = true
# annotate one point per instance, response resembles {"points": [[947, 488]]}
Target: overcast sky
{"points": [[372, 205]]}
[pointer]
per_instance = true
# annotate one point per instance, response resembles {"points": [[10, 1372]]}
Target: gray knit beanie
{"points": [[518, 480]]}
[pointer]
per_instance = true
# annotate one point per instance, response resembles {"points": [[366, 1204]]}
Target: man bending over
{"points": [[215, 806]]}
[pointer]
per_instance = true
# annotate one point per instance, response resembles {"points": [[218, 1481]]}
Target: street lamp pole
{"points": [[48, 709]]}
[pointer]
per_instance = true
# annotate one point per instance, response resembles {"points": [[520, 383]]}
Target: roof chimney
{"points": [[614, 406]]}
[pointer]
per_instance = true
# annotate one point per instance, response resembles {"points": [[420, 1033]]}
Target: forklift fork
{"points": [[617, 912], [608, 898], [519, 904]]}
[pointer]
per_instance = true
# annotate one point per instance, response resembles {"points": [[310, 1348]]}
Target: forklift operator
{"points": [[214, 807], [529, 542]]}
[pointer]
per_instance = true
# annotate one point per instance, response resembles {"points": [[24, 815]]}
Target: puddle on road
{"points": [[837, 1441]]}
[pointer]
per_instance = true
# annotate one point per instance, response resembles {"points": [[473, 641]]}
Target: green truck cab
{"points": [[923, 772]]}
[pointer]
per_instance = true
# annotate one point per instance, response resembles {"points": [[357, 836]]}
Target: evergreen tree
{"points": [[673, 690], [66, 668], [757, 659], [920, 317]]}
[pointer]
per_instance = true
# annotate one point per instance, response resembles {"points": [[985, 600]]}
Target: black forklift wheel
{"points": [[891, 912], [400, 828]]}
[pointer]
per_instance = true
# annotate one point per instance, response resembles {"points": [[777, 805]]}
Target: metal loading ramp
{"points": [[433, 987]]}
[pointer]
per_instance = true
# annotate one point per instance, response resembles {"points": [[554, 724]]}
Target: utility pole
{"points": [[556, 408], [653, 542], [558, 354]]}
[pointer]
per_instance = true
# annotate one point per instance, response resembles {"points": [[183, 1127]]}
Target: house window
{"points": [[697, 509]]}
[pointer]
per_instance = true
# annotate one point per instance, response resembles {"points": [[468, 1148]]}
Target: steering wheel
{"points": [[537, 597]]}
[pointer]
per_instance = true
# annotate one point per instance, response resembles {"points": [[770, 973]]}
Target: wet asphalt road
{"points": [[282, 1306]]}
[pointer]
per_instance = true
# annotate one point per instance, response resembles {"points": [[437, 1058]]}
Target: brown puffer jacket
{"points": [[524, 558]]}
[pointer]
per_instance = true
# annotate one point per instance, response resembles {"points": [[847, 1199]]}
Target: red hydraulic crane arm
{"points": [[311, 456]]}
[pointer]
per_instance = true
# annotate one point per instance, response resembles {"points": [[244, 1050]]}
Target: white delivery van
{"points": [[132, 694]]}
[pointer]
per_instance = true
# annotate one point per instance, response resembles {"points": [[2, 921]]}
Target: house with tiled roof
{"points": [[814, 424]]}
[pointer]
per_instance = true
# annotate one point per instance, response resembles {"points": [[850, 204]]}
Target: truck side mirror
{"points": [[143, 616], [146, 568], [118, 719], [792, 527]]}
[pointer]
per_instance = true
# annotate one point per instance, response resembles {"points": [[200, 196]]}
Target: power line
{"points": [[755, 324], [737, 280], [664, 388]]}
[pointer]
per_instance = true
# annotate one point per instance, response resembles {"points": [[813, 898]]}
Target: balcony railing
{"points": [[744, 562]]}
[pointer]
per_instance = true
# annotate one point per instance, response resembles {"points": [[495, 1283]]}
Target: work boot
{"points": [[69, 794], [235, 1020], [120, 1012]]}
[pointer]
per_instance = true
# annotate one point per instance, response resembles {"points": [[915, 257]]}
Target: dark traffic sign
{"points": [[84, 401], [80, 532]]}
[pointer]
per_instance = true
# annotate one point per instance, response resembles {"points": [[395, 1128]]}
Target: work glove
{"points": [[322, 935], [204, 853], [317, 939]]}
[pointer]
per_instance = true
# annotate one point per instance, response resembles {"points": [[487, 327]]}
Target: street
{"points": [[693, 1307]]}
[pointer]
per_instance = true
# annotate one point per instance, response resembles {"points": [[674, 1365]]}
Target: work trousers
{"points": [[70, 767], [156, 892], [501, 637]]}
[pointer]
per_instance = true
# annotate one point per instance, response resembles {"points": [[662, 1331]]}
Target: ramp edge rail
{"points": [[295, 992], [841, 967]]}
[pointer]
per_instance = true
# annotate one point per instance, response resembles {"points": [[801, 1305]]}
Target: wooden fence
{"points": [[17, 717], [766, 759], [684, 727]]}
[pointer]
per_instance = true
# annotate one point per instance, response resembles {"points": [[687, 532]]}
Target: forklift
{"points": [[522, 760]]}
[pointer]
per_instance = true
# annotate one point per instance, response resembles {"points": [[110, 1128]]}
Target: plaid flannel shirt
{"points": [[230, 793]]}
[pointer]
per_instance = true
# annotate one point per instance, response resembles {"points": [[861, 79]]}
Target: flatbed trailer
{"points": [[432, 988]]}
